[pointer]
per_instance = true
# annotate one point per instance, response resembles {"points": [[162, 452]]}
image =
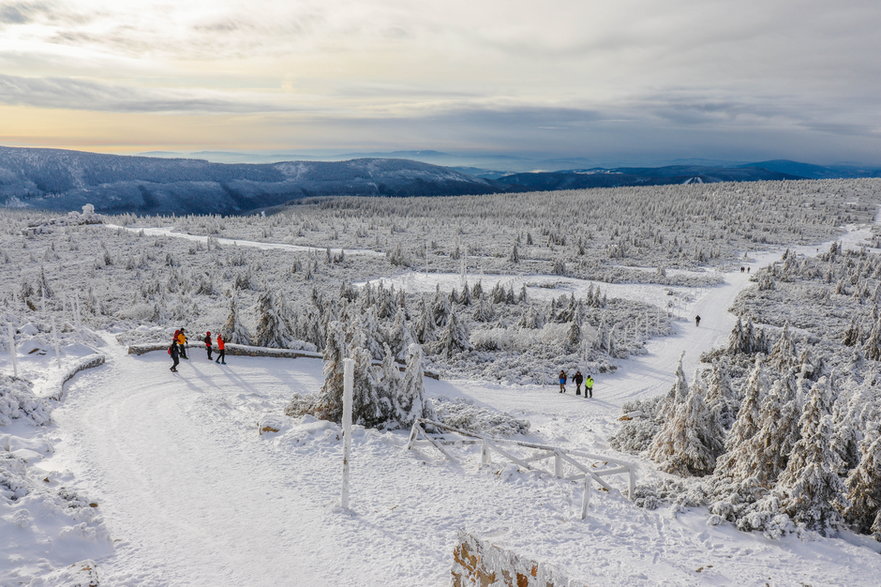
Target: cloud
{"points": [[23, 12], [75, 94]]}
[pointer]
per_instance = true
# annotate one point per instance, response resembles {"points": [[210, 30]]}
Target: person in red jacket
{"points": [[208, 344], [221, 348]]}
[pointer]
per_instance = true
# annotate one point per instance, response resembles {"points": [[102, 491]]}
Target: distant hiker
{"points": [[562, 381], [221, 350], [741, 269], [697, 320], [175, 353], [578, 378], [588, 387], [747, 269], [208, 343], [182, 343]]}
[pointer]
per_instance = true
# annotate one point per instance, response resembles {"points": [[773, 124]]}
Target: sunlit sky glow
{"points": [[624, 79]]}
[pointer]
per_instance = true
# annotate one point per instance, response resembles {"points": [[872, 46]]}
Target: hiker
{"points": [[697, 320], [562, 381], [221, 350], [742, 269], [588, 387], [182, 343], [208, 343], [175, 353], [578, 378]]}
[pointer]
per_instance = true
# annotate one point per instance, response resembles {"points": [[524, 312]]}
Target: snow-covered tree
{"points": [[689, 439], [863, 510], [811, 492], [234, 329], [454, 338]]}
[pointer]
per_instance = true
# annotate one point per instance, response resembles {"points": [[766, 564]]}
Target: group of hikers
{"points": [[179, 343], [578, 379]]}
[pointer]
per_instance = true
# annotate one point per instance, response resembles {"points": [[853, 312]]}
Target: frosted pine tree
{"points": [[454, 338], [272, 327], [864, 487], [809, 488], [783, 355], [746, 425], [410, 403], [371, 406], [689, 440], [677, 394], [400, 336], [484, 311], [721, 400], [425, 328], [329, 403], [234, 329]]}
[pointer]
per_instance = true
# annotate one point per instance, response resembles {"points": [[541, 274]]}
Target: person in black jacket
{"points": [[174, 351], [578, 378]]}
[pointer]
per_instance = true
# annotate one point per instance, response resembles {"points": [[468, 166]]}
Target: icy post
{"points": [[12, 352], [348, 377], [55, 343]]}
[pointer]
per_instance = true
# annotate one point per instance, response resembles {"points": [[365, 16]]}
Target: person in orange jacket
{"points": [[221, 348], [182, 343]]}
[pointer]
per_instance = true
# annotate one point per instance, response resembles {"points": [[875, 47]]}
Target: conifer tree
{"points": [[233, 329], [810, 491], [864, 487], [454, 338]]}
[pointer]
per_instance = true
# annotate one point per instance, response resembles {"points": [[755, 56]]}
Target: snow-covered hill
{"points": [[66, 180]]}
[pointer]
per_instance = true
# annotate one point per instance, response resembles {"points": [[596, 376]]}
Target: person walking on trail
{"points": [[578, 378], [182, 343], [221, 350], [175, 354], [588, 387], [562, 381], [697, 320], [208, 344]]}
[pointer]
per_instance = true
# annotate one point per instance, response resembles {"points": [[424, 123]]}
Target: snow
{"points": [[192, 485]]}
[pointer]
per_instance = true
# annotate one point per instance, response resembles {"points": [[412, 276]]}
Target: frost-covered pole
{"points": [[348, 379], [55, 343], [12, 351], [585, 501]]}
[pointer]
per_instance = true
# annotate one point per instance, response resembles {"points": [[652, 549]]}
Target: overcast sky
{"points": [[630, 80]]}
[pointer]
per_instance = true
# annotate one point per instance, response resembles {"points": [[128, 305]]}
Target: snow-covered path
{"points": [[195, 495], [171, 232]]}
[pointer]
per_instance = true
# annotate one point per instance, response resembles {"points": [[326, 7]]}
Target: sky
{"points": [[613, 80]]}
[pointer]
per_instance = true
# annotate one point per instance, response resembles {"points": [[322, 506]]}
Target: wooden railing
{"points": [[569, 465]]}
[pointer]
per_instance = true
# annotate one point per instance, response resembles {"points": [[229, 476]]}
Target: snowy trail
{"points": [[170, 232]]}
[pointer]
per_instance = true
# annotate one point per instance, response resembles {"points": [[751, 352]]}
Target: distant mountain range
{"points": [[57, 179], [65, 180]]}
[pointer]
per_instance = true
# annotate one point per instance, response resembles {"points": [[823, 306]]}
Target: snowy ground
{"points": [[193, 494]]}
